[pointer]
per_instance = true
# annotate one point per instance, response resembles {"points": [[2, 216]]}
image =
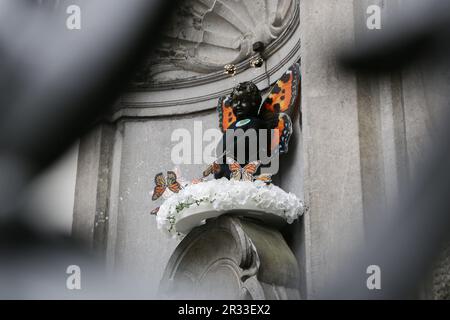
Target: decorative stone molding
{"points": [[231, 258], [205, 35], [194, 92], [202, 94]]}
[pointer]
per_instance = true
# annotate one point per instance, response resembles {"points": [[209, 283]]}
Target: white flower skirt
{"points": [[196, 203]]}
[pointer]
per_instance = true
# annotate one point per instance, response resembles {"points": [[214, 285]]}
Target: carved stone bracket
{"points": [[231, 258]]}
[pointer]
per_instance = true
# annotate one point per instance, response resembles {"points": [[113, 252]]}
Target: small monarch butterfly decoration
{"points": [[242, 173], [162, 184]]}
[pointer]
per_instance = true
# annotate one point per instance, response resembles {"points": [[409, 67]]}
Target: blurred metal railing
{"points": [[54, 85]]}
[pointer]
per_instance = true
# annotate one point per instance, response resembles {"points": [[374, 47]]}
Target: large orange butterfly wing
{"points": [[172, 182], [282, 134], [160, 186], [280, 106], [265, 177], [226, 115], [284, 95]]}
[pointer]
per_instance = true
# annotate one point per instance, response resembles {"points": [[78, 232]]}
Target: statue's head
{"points": [[246, 100]]}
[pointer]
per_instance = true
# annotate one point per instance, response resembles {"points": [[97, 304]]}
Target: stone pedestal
{"points": [[231, 257]]}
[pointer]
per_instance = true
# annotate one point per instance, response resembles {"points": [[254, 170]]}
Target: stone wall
{"points": [[358, 140], [364, 138], [118, 161]]}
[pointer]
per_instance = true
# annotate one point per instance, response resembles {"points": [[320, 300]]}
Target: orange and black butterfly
{"points": [[280, 105], [161, 184], [245, 173], [282, 134], [213, 168], [285, 93], [226, 114]]}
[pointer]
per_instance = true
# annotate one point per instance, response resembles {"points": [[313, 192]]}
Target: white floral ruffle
{"points": [[224, 194]]}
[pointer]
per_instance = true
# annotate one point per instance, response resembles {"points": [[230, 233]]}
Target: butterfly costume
{"points": [[244, 109], [241, 111]]}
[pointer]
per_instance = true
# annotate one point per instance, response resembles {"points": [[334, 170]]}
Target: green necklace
{"points": [[241, 123]]}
